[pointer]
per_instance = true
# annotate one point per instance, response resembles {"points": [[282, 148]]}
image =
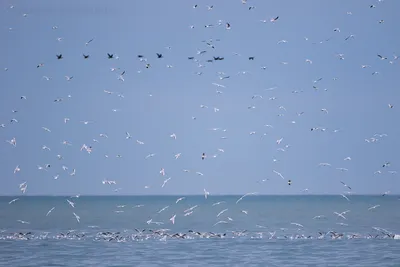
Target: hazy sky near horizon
{"points": [[153, 103]]}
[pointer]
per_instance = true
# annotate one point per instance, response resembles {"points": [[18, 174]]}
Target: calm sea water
{"points": [[257, 231]]}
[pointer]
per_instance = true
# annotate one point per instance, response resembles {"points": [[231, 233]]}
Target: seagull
{"points": [[77, 217], [245, 195], [12, 142], [162, 172], [345, 197], [12, 201], [341, 214], [71, 203], [179, 199], [324, 164], [220, 222], [382, 57], [149, 156], [274, 19], [88, 42], [374, 207], [219, 85], [297, 224], [206, 193], [345, 185], [17, 169], [218, 203], [221, 212], [172, 219], [128, 136], [161, 210], [278, 173], [48, 213], [165, 181]]}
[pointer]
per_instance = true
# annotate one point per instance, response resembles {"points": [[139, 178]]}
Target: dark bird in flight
{"points": [[110, 56], [345, 185], [159, 55], [59, 56], [381, 57], [251, 58], [218, 58], [88, 42], [85, 56]]}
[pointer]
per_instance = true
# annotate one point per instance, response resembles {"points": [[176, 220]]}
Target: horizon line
{"points": [[192, 195]]}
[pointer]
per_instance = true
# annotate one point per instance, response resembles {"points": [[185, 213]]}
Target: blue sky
{"points": [[356, 101]]}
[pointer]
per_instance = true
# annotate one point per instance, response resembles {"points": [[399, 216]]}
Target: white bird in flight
{"points": [[179, 199], [166, 181], [77, 217], [245, 195], [206, 193], [71, 203], [221, 212], [48, 213], [374, 207]]}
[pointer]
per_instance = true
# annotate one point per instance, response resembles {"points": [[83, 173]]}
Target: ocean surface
{"points": [[256, 231]]}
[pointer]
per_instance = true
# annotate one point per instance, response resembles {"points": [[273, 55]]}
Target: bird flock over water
{"points": [[201, 61], [164, 234]]}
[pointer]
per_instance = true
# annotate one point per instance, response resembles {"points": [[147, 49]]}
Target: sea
{"points": [[255, 230]]}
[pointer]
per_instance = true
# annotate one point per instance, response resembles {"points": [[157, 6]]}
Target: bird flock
{"points": [[203, 61]]}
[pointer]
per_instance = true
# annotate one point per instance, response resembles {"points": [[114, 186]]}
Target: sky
{"points": [[159, 101]]}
